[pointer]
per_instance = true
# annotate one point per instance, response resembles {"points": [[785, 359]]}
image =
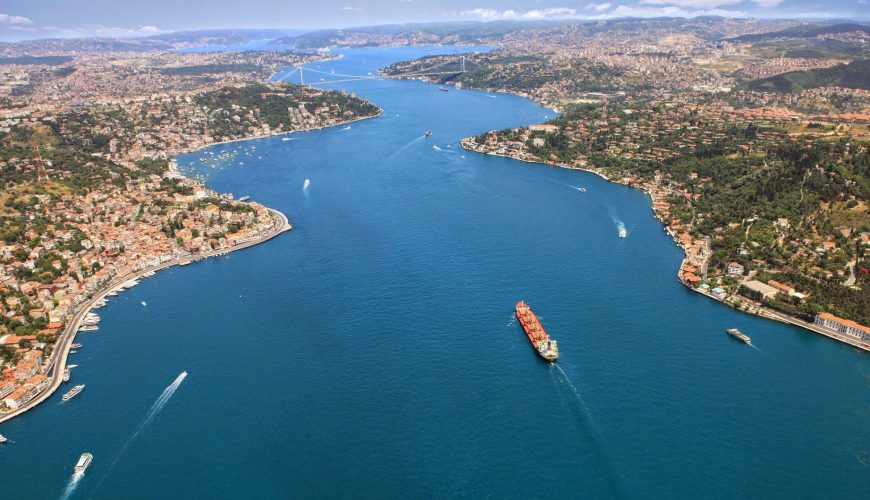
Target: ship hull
{"points": [[546, 348]]}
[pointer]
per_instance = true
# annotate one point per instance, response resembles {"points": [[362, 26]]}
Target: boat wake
{"points": [[436, 148], [155, 409], [622, 231], [72, 485], [406, 146], [161, 401], [347, 128], [620, 226], [564, 384]]}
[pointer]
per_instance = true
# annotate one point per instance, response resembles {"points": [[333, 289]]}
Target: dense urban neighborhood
{"points": [[91, 196], [750, 137]]}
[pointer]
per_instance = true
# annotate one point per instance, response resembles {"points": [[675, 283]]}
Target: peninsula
{"points": [[757, 164], [91, 200]]}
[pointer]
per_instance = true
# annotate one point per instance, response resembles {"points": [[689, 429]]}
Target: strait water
{"points": [[372, 352]]}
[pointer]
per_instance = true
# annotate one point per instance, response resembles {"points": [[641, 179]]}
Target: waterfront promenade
{"points": [[58, 360]]}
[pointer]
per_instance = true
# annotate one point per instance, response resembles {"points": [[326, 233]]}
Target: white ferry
{"points": [[73, 392], [83, 463], [623, 233]]}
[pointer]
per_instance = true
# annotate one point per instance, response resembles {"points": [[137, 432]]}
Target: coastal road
{"points": [[57, 363], [816, 328]]}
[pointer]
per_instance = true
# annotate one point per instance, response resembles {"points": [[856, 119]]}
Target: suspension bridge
{"points": [[342, 78]]}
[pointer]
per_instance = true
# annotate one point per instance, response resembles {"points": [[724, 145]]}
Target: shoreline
{"points": [[756, 310], [58, 359], [63, 346], [273, 134]]}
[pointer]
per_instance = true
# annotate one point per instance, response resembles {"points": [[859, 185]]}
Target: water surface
{"points": [[372, 351]]}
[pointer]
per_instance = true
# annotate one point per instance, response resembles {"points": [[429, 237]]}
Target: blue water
{"points": [[371, 352]]}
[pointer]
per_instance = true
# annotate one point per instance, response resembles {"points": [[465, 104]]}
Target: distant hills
{"points": [[803, 31], [855, 75], [463, 30], [708, 27]]}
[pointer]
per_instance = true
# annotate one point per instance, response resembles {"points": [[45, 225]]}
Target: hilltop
{"points": [[853, 75], [803, 31]]}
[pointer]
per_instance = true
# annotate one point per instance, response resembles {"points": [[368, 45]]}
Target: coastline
{"points": [[63, 346], [756, 309], [58, 359], [275, 134]]}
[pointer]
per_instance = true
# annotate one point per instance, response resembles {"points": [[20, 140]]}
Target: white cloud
{"points": [[599, 7], [697, 4], [351, 9], [492, 14], [114, 31], [767, 3], [815, 15], [668, 11], [10, 19]]}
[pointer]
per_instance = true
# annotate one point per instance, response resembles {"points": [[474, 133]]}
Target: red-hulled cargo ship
{"points": [[546, 347]]}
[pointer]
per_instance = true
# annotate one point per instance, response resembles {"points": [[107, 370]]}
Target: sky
{"points": [[28, 19]]}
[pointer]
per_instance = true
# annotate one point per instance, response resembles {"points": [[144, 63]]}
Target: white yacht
{"points": [[83, 463]]}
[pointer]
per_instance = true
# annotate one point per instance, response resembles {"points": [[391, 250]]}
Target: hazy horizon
{"points": [[28, 20]]}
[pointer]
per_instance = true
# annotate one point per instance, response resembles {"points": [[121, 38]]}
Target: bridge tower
{"points": [[41, 175], [301, 78], [463, 64]]}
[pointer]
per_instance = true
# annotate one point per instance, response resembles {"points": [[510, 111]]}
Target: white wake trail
{"points": [[161, 401], [72, 485], [598, 442], [152, 412], [620, 226]]}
